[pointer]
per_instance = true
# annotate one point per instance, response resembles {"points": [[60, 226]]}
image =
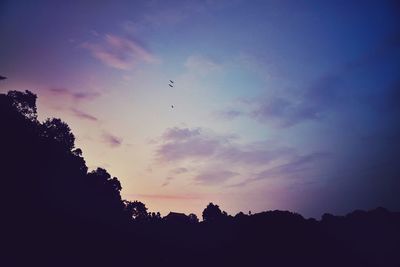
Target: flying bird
{"points": [[170, 85], [2, 77]]}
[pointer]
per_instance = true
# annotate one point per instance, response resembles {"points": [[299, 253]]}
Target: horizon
{"points": [[274, 106]]}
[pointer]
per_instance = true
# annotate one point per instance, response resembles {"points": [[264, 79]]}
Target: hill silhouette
{"points": [[56, 213]]}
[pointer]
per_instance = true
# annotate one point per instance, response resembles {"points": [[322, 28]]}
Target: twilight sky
{"points": [[278, 104]]}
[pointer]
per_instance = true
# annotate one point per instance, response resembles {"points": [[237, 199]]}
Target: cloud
{"points": [[253, 155], [294, 167], [76, 96], [204, 148], [228, 114], [83, 115], [176, 171], [119, 52], [298, 166], [179, 144], [310, 104], [179, 170], [183, 143], [212, 177], [192, 148], [112, 140], [164, 197], [167, 181], [287, 108], [176, 134]]}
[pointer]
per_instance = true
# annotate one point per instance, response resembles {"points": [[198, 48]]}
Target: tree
{"points": [[24, 103], [104, 183], [213, 213], [58, 131], [154, 216], [193, 218], [136, 210]]}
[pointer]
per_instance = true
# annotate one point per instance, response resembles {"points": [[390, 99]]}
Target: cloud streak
{"points": [[228, 114], [213, 177], [111, 140], [180, 170], [119, 52], [83, 115], [165, 197], [299, 166], [167, 181], [76, 96]]}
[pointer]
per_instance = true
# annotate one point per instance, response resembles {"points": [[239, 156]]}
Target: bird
{"points": [[2, 77], [170, 85]]}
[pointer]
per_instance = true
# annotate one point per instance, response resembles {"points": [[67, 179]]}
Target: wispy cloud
{"points": [[164, 196], [294, 167], [167, 181], [228, 114], [176, 171], [290, 107], [112, 140], [310, 104], [213, 177], [298, 166], [119, 52], [182, 143], [83, 115], [176, 134], [203, 148], [76, 96], [179, 170]]}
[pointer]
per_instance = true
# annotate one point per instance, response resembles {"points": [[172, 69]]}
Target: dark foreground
{"points": [[56, 213]]}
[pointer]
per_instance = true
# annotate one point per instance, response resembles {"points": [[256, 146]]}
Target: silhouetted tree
{"points": [[25, 103], [59, 131], [213, 213], [136, 210], [193, 218], [154, 216], [240, 216]]}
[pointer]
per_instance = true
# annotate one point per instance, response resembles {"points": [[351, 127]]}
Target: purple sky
{"points": [[277, 104]]}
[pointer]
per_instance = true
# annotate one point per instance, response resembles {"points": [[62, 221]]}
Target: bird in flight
{"points": [[170, 85], [2, 77]]}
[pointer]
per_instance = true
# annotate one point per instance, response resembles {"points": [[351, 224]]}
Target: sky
{"points": [[290, 105]]}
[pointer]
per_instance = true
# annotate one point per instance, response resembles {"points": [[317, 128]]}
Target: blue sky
{"points": [[277, 104]]}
